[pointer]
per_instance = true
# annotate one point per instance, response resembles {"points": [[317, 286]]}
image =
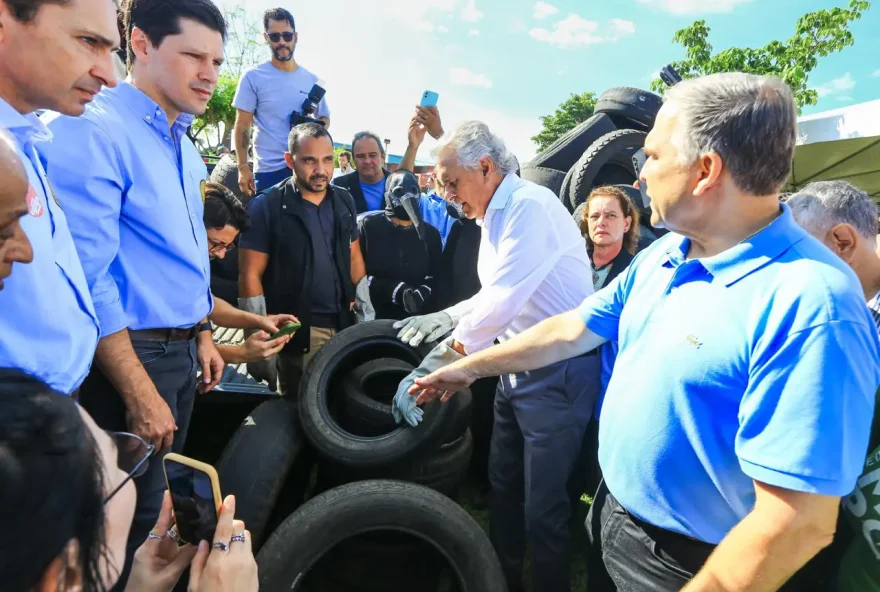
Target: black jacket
{"points": [[287, 281], [621, 262], [352, 183], [458, 278]]}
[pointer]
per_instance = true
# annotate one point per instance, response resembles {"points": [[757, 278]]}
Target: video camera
{"points": [[309, 107]]}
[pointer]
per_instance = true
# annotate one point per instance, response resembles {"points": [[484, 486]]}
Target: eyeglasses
{"points": [[276, 37], [133, 456], [218, 247]]}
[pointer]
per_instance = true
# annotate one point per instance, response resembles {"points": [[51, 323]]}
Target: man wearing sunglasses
{"points": [[266, 97]]}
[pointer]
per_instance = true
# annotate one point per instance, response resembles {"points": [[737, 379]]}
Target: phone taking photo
{"points": [[429, 99], [195, 497], [639, 160], [287, 329]]}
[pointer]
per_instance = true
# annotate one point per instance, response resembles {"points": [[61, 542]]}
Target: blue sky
{"points": [[509, 61]]}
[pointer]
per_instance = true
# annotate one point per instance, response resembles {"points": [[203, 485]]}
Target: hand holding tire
{"points": [[228, 564]]}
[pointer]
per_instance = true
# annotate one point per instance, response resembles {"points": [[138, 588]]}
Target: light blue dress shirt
{"points": [[48, 326], [432, 208], [134, 189], [758, 364]]}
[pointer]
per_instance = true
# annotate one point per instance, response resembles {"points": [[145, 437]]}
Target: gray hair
{"points": [[362, 135], [306, 130], [821, 206], [472, 141], [748, 120]]}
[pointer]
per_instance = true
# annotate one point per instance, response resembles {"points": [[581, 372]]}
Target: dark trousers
{"points": [[264, 181], [540, 418], [629, 555], [172, 368]]}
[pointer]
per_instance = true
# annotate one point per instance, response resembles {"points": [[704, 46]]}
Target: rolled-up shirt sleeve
{"points": [[527, 253], [85, 171]]}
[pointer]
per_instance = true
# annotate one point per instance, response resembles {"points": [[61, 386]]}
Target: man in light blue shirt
{"points": [[131, 181], [48, 326], [739, 408], [267, 95], [366, 184], [433, 210]]}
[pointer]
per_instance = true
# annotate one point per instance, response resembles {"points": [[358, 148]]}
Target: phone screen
{"points": [[639, 159], [192, 496]]}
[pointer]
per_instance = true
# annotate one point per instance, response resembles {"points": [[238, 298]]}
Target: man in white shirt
{"points": [[532, 265], [267, 95]]}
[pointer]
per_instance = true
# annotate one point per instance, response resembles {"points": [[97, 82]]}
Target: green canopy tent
{"points": [[840, 144]]}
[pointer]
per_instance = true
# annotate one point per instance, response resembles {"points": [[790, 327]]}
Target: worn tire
{"points": [[626, 104], [549, 178], [257, 461], [607, 162], [226, 173], [369, 412], [565, 151], [322, 383], [324, 522]]}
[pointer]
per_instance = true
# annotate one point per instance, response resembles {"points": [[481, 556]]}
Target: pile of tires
{"points": [[599, 150]]}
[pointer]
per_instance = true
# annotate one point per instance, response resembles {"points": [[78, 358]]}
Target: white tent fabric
{"points": [[840, 144]]}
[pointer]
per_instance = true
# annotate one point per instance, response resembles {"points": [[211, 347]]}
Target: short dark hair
{"points": [[278, 14], [160, 18], [346, 154], [223, 209], [53, 477], [24, 11], [363, 135], [306, 130]]}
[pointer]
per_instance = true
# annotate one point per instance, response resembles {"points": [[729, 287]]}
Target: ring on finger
{"points": [[220, 545], [238, 538], [154, 537], [172, 534]]}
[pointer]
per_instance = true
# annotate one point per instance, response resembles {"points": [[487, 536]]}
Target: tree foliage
{"points": [[572, 111], [817, 34]]}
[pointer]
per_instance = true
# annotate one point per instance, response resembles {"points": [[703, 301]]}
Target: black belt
{"points": [[164, 334], [325, 321]]}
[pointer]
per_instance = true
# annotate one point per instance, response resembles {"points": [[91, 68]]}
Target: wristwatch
{"points": [[206, 327]]}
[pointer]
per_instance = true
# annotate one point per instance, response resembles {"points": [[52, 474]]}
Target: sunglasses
{"points": [[276, 37], [133, 457]]}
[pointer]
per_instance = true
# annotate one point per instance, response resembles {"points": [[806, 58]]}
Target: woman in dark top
{"points": [[609, 222]]}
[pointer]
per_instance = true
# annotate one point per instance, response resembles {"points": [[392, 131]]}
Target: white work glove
{"points": [[265, 369], [430, 327], [363, 306], [404, 405]]}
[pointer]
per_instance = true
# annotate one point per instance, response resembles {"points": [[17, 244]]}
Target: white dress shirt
{"points": [[533, 265]]}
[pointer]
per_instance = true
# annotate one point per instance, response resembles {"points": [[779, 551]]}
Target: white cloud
{"points": [[692, 7], [543, 10], [442, 29], [575, 31], [425, 26], [464, 77], [838, 86], [470, 13], [473, 32]]}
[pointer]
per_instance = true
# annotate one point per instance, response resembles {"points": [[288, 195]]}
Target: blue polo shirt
{"points": [[760, 363]]}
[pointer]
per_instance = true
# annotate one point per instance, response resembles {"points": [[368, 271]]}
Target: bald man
{"points": [[14, 244]]}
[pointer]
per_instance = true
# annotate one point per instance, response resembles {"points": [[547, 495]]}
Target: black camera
{"points": [[308, 108]]}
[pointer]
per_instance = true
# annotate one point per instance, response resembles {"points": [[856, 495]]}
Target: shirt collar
{"points": [[502, 195], [24, 127], [756, 251], [145, 107]]}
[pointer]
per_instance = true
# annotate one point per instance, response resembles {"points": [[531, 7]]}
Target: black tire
{"points": [[565, 151], [322, 383], [226, 173], [370, 506], [607, 162], [549, 178], [366, 411], [257, 462], [626, 104]]}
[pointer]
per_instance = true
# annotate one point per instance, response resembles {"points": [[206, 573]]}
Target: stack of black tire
{"points": [[598, 151], [379, 514]]}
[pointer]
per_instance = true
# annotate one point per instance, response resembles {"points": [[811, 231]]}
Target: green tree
{"points": [[220, 114], [572, 111], [817, 34]]}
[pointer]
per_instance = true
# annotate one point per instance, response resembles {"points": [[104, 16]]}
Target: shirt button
{"points": [[167, 139], [149, 118]]}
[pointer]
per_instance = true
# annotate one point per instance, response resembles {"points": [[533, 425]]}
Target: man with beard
{"points": [[402, 253], [301, 254], [266, 96], [130, 181], [53, 55]]}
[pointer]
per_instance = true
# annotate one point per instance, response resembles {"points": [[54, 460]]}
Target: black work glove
{"points": [[414, 299]]}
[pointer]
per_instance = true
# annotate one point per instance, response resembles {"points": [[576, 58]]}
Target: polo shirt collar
{"points": [[740, 260], [26, 128], [143, 106]]}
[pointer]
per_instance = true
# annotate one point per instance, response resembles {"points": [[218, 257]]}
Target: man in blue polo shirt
{"points": [[739, 409], [53, 56]]}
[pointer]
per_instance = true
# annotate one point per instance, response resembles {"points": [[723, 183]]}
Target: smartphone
{"points": [[286, 330], [195, 496], [639, 159], [429, 99]]}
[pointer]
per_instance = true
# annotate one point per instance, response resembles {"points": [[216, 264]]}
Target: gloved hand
{"points": [[265, 369], [414, 298], [403, 407], [363, 306], [431, 327]]}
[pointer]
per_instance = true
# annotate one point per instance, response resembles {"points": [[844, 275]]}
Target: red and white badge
{"points": [[35, 206]]}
